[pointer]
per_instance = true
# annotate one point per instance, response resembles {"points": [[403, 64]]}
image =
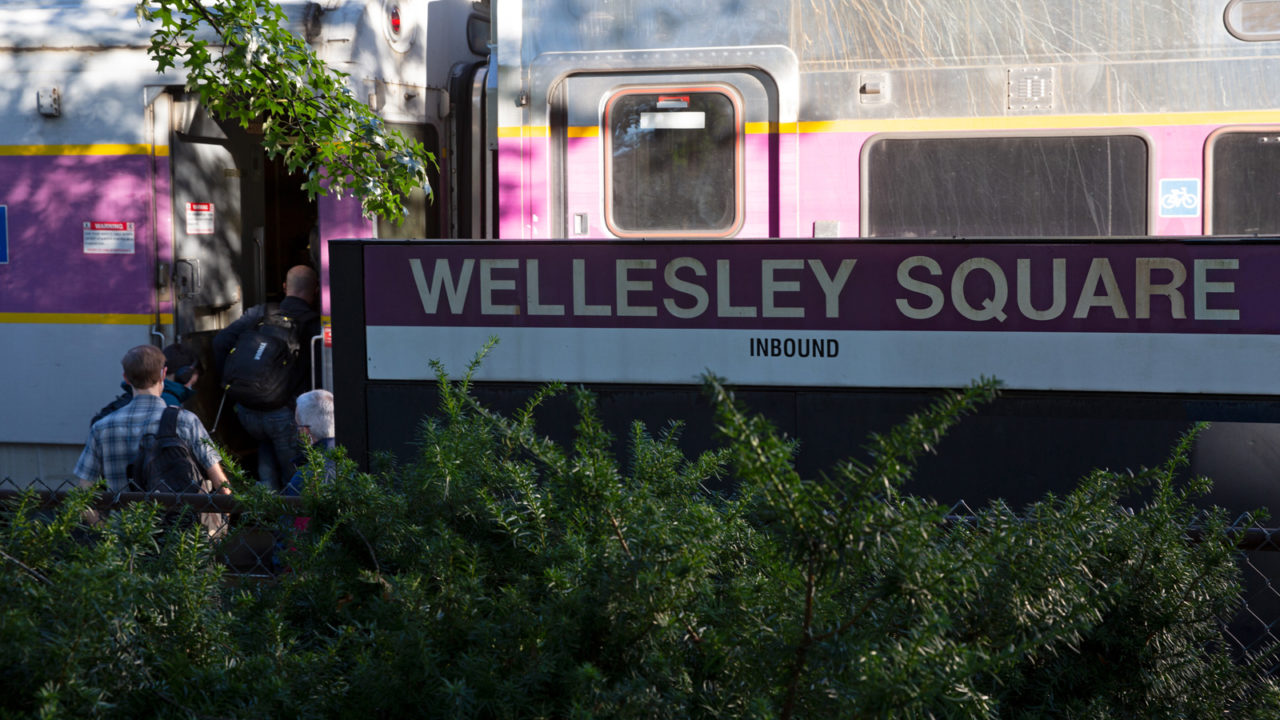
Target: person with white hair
{"points": [[314, 417]]}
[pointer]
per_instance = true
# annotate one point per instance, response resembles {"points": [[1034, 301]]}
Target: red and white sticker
{"points": [[108, 238], [199, 218]]}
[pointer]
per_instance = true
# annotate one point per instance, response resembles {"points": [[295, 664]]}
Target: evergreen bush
{"points": [[499, 575]]}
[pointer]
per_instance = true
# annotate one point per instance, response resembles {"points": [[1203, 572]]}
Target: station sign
{"points": [[1150, 316]]}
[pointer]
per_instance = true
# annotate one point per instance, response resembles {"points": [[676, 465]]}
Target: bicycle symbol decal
{"points": [[1180, 197]]}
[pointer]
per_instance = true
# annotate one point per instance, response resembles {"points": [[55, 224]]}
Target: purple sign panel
{"points": [[990, 306]]}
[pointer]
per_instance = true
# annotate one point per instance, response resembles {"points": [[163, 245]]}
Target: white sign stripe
{"points": [[1172, 363]]}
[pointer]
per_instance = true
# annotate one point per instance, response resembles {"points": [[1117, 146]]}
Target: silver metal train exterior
{"points": [[846, 111], [131, 215]]}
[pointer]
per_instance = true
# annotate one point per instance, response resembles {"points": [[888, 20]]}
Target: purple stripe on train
{"points": [[1155, 287], [58, 263]]}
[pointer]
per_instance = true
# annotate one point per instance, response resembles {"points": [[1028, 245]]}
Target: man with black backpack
{"points": [[264, 363], [143, 446]]}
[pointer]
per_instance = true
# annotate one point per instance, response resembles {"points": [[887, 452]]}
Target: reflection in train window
{"points": [[1245, 182], [672, 160], [1075, 186]]}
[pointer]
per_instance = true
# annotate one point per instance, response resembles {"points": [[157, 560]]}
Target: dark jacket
{"points": [[294, 487], [301, 381], [175, 393]]}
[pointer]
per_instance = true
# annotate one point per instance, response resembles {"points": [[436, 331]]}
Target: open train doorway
{"points": [[240, 221]]}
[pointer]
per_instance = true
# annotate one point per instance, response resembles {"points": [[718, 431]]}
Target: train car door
{"points": [[240, 221], [667, 154], [211, 266]]}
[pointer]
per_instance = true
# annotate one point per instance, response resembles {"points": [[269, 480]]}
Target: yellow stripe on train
{"points": [[84, 318], [98, 149]]}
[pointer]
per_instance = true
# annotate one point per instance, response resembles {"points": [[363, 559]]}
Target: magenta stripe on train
{"points": [[57, 264], [818, 180]]}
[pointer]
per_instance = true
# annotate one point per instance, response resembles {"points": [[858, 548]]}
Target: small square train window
{"points": [[672, 160]]}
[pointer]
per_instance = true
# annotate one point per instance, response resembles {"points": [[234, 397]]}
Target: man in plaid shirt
{"points": [[113, 440]]}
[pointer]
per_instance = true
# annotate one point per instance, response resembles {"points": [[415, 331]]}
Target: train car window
{"points": [[672, 163], [1253, 20], [1245, 182], [1074, 186]]}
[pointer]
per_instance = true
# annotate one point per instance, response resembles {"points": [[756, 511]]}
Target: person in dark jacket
{"points": [[274, 427], [182, 370], [314, 416]]}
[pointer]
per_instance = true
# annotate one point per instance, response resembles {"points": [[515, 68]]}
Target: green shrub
{"points": [[112, 619], [498, 575]]}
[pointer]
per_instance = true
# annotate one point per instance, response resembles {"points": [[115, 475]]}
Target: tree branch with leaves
{"points": [[246, 66]]}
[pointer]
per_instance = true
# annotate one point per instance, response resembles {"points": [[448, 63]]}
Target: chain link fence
{"points": [[248, 550], [1255, 626]]}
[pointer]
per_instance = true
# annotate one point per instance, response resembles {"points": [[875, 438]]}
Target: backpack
{"points": [[164, 463], [121, 400], [259, 371]]}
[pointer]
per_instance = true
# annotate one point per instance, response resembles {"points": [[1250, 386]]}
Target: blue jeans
{"points": [[277, 437]]}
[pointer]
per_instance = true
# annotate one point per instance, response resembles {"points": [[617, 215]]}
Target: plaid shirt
{"points": [[113, 441]]}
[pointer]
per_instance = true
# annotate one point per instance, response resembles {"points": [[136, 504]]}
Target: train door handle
{"points": [[186, 277]]}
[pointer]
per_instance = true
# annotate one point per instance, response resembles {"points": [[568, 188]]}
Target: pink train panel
{"points": [[81, 234]]}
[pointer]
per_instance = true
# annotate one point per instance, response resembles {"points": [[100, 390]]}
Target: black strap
{"points": [[268, 309], [169, 422]]}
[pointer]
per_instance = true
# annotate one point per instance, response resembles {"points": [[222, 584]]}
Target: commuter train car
{"points": [[1046, 192], [1002, 118]]}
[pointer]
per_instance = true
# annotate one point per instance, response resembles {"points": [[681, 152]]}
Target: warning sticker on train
{"points": [[108, 238], [199, 218]]}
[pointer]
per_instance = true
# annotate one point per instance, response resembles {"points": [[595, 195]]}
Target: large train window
{"points": [[989, 186], [673, 162], [1244, 183]]}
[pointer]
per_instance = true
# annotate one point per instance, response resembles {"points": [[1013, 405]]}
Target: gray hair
{"points": [[315, 410]]}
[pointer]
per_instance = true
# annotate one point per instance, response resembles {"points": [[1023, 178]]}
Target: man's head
{"points": [[301, 282], [181, 362], [143, 367], [315, 414]]}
